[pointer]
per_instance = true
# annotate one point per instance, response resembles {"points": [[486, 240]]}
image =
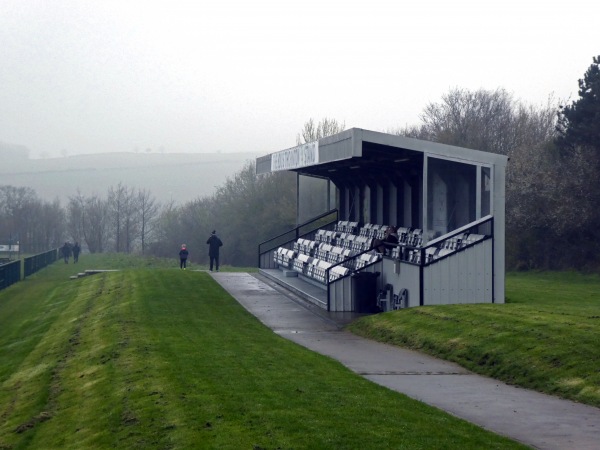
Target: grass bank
{"points": [[545, 337], [155, 357]]}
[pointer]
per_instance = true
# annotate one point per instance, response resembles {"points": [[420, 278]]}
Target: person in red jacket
{"points": [[183, 256]]}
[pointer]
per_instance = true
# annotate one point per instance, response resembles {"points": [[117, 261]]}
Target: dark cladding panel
{"points": [[338, 147]]}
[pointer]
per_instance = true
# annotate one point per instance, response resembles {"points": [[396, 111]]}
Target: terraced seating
{"points": [[346, 240], [365, 259], [326, 236], [323, 250], [415, 238], [345, 226], [366, 230], [402, 234], [380, 232], [301, 263], [315, 259], [318, 270], [331, 247], [305, 246], [284, 257], [338, 272], [361, 243], [339, 254], [409, 239]]}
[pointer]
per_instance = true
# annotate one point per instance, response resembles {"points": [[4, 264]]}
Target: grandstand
{"points": [[446, 202]]}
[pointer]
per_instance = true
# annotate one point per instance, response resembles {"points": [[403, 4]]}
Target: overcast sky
{"points": [[86, 76]]}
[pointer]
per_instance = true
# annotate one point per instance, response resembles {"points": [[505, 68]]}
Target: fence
{"points": [[10, 273], [39, 261]]}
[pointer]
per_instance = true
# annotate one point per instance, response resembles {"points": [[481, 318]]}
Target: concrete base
{"points": [[91, 272], [317, 295]]}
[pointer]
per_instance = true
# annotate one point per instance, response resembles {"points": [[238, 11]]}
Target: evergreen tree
{"points": [[579, 123]]}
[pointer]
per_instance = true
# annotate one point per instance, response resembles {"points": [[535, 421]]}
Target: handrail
{"points": [[296, 231], [300, 226], [460, 230]]}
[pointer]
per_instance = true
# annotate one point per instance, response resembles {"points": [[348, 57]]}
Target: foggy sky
{"points": [[234, 76]]}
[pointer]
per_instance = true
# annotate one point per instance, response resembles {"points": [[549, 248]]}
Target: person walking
{"points": [[183, 256], [214, 244], [76, 251], [66, 252]]}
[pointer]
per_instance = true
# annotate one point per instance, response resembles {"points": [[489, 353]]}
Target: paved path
{"points": [[535, 419]]}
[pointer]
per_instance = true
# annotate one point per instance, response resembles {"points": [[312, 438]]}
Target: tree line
{"points": [[552, 192], [245, 210], [552, 188]]}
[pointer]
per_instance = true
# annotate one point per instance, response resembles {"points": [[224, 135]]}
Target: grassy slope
{"points": [[163, 358], [545, 337]]}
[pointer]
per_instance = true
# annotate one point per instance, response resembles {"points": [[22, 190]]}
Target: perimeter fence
{"points": [[10, 272]]}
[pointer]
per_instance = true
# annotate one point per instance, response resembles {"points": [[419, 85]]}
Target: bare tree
{"points": [[148, 210], [313, 132], [168, 230], [95, 223], [482, 120], [117, 203], [16, 204], [538, 208], [75, 216], [51, 225], [131, 220], [411, 131]]}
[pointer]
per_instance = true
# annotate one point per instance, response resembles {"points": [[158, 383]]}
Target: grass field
{"points": [[155, 357], [546, 337]]}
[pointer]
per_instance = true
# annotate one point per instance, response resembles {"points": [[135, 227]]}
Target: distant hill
{"points": [[180, 177]]}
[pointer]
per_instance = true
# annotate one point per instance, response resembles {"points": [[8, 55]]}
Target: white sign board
{"points": [[9, 248], [301, 156]]}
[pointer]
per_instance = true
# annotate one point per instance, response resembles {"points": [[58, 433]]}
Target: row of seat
{"points": [[330, 247], [345, 240], [309, 266], [373, 230], [346, 226], [446, 247], [312, 259]]}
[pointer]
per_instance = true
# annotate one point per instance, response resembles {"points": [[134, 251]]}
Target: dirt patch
{"points": [[41, 417]]}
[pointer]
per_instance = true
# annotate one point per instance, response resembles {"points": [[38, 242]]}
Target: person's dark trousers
{"points": [[214, 259], [182, 263]]}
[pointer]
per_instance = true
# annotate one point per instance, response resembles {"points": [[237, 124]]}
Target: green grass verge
{"points": [[153, 357], [546, 337]]}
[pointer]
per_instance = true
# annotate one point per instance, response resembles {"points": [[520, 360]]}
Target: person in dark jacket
{"points": [[214, 244], [66, 252], [386, 245], [76, 251], [183, 256]]}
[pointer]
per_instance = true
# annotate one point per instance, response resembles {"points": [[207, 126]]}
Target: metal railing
{"points": [[306, 230]]}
